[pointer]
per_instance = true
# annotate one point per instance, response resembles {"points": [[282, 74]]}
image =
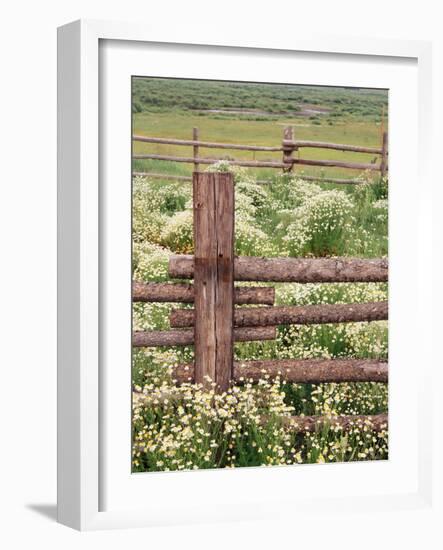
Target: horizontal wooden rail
{"points": [[300, 371], [287, 144], [314, 371], [375, 422], [337, 164], [194, 160], [180, 292], [293, 270], [302, 424], [336, 146], [206, 144], [294, 315], [339, 181], [261, 163], [156, 338], [161, 176]]}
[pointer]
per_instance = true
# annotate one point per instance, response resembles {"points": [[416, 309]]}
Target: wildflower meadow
{"points": [[188, 426]]}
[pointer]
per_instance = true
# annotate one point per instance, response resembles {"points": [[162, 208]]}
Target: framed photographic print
{"points": [[227, 341]]}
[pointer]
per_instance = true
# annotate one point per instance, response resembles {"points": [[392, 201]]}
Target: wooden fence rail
{"points": [[302, 424], [293, 270], [206, 144], [299, 144], [288, 146], [293, 144], [206, 160], [157, 338], [294, 315], [215, 324], [300, 371], [157, 175], [184, 293], [263, 163]]}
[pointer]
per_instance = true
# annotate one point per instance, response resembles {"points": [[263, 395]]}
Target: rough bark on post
{"points": [[288, 147], [213, 277], [318, 314], [384, 155], [195, 147]]}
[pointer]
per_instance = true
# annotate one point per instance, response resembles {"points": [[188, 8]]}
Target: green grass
{"points": [[353, 117], [285, 217]]}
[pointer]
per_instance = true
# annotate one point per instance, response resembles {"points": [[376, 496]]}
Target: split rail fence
{"points": [[288, 147], [217, 319]]}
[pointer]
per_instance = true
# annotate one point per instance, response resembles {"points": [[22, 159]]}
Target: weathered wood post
{"points": [[384, 155], [288, 148], [213, 277], [195, 148]]}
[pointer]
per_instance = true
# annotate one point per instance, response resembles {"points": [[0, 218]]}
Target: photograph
{"points": [[224, 255], [259, 274]]}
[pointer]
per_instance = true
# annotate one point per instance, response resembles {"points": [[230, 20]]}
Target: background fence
{"points": [[218, 320], [287, 148]]}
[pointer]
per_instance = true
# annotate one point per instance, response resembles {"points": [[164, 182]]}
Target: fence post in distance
{"points": [[288, 136]]}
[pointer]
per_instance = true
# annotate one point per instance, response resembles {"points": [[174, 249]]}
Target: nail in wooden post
{"points": [[213, 277], [384, 155], [288, 136], [195, 148]]}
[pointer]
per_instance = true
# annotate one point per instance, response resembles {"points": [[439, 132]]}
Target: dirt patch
{"points": [[305, 110]]}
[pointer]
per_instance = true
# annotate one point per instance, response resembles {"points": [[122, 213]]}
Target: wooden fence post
{"points": [[213, 277], [384, 155], [288, 135], [195, 148]]}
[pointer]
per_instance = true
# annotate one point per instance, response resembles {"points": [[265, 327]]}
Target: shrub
{"points": [[249, 239], [289, 191], [321, 225], [177, 234], [147, 220], [149, 262]]}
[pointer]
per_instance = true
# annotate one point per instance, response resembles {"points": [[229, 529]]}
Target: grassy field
{"points": [[344, 116], [195, 428]]}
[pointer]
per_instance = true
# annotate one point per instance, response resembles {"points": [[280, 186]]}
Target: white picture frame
{"points": [[82, 401]]}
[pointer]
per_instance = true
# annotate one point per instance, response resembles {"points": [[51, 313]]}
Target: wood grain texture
{"points": [[314, 371], [300, 371], [295, 315], [293, 270], [182, 292], [185, 337], [224, 222], [205, 277], [213, 277]]}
